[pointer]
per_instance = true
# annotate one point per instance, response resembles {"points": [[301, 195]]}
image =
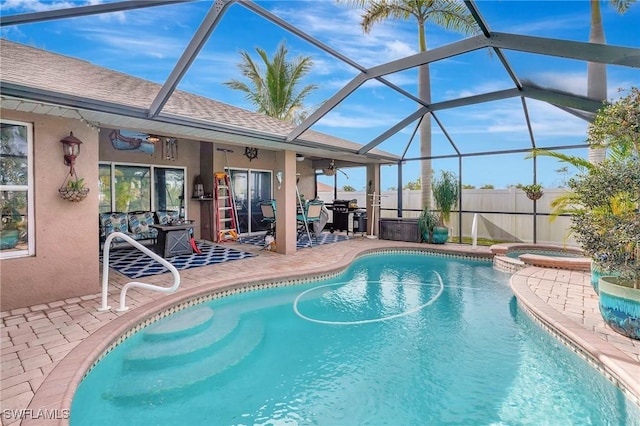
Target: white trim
{"points": [[249, 212], [29, 189]]}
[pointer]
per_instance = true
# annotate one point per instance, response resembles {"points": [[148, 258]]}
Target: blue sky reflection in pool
{"points": [[470, 356]]}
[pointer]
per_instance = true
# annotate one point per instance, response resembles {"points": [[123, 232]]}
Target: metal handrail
{"points": [[105, 272]]}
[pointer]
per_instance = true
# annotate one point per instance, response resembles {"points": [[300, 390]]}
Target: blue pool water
{"points": [[396, 339]]}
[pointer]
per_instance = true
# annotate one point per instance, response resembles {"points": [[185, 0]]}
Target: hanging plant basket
{"points": [[73, 195], [533, 191], [73, 189], [534, 195]]}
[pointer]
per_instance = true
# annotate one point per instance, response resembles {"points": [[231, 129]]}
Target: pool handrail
{"points": [[105, 272], [474, 231]]}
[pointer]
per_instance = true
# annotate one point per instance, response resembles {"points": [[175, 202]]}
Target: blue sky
{"points": [[148, 42]]}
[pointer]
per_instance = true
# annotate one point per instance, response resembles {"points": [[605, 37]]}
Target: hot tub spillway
{"points": [[191, 348]]}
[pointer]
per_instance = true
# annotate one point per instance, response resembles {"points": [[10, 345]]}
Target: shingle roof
{"points": [[39, 70]]}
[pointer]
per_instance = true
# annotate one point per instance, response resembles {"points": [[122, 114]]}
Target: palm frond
{"points": [[621, 6], [578, 162], [452, 16], [273, 89]]}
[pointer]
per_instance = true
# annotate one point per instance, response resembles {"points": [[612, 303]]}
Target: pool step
{"points": [[181, 324], [154, 385], [163, 353]]}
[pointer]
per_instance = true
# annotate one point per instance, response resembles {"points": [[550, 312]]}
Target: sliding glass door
{"points": [[250, 187]]}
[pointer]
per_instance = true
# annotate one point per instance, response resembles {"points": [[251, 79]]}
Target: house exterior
{"points": [[46, 97]]}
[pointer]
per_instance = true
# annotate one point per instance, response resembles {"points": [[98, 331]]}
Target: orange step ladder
{"points": [[225, 208]]}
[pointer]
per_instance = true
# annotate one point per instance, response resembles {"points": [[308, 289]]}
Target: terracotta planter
{"points": [[620, 305]]}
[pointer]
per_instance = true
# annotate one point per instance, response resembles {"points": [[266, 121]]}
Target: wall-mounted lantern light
{"points": [[73, 188], [71, 148]]}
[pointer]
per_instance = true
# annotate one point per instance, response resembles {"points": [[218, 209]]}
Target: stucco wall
{"points": [[265, 161], [65, 263]]}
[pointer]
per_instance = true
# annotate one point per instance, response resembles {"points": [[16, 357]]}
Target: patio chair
{"points": [[313, 211], [268, 209]]}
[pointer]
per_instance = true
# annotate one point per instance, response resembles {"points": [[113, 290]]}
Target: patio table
{"points": [[173, 240]]}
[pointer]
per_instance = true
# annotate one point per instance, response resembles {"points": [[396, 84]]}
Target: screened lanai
{"points": [[518, 82]]}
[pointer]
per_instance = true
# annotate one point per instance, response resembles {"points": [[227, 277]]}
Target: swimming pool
{"points": [[395, 339]]}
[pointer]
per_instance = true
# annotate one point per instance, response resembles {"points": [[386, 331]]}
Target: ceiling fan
{"points": [[332, 169]]}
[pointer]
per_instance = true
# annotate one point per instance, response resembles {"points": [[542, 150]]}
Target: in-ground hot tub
{"points": [[511, 257]]}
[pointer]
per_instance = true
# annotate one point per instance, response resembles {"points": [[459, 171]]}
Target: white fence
{"points": [[503, 225]]}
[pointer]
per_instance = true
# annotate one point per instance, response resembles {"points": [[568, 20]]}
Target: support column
{"points": [[373, 185], [286, 201]]}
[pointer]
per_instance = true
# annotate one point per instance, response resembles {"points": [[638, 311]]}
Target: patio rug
{"points": [[135, 264], [303, 241]]}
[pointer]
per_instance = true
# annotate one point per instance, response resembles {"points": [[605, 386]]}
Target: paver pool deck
{"points": [[39, 363]]}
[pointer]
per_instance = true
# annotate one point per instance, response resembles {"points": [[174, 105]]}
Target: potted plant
{"points": [[607, 225], [426, 222], [533, 191], [446, 190], [74, 190], [10, 224]]}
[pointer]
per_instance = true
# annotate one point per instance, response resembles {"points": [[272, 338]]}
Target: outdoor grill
{"points": [[347, 216]]}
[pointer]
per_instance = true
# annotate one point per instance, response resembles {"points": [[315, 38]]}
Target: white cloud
{"points": [[132, 43], [339, 27], [572, 82], [37, 5], [397, 49], [479, 89], [359, 117], [23, 6], [549, 25]]}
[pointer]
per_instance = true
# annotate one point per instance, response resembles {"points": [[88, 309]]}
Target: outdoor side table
{"points": [[173, 240]]}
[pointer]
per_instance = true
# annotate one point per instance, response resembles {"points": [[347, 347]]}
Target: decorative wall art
{"points": [[170, 149], [126, 140], [251, 153]]}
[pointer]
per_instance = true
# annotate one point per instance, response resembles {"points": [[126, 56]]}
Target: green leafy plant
{"points": [[445, 192], [426, 222], [74, 190], [608, 225], [606, 221], [77, 184]]}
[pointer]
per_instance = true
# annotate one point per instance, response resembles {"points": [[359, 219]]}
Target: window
{"points": [[132, 187], [16, 193], [169, 188]]}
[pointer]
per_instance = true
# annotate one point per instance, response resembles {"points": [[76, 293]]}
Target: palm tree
{"points": [[451, 15], [274, 91], [597, 72]]}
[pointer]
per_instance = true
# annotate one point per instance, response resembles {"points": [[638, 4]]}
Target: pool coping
{"points": [[614, 364]]}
